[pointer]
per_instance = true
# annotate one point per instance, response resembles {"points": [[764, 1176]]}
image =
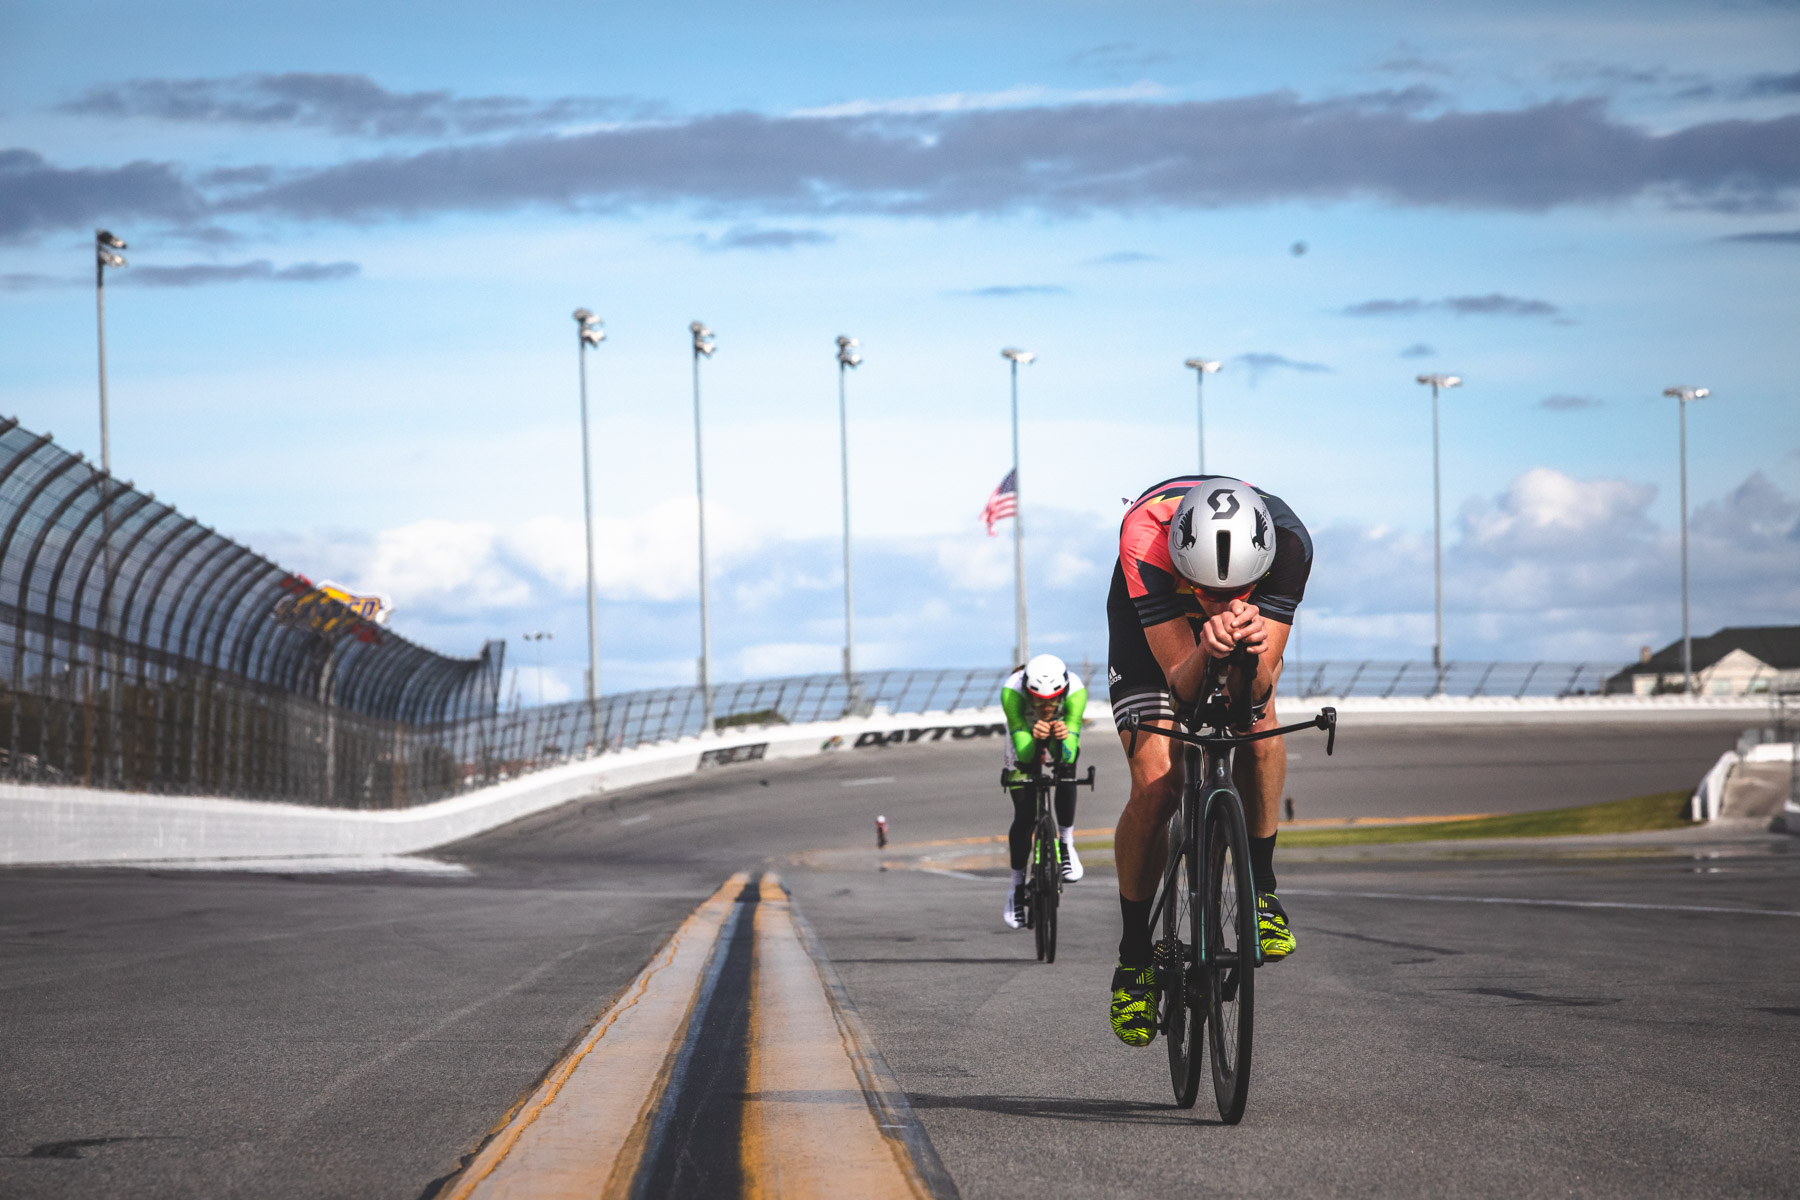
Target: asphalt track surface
{"points": [[168, 1033]]}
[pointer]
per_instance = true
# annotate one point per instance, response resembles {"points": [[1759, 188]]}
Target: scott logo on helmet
{"points": [[1220, 510]]}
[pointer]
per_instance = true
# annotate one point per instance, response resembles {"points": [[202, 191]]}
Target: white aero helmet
{"points": [[1222, 538], [1046, 677]]}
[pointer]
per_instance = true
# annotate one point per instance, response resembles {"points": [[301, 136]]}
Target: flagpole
{"points": [[1022, 647]]}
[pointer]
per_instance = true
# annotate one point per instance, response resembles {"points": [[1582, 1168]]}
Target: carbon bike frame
{"points": [[1213, 752]]}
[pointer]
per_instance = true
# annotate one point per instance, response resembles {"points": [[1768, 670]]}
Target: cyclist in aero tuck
{"points": [[1044, 701], [1206, 563]]}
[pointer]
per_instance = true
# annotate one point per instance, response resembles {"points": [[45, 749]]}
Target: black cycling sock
{"points": [[1262, 863], [1134, 945]]}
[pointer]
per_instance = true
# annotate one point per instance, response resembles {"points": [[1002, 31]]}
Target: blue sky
{"points": [[358, 230]]}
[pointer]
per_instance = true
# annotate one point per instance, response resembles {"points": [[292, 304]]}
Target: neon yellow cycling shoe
{"points": [[1272, 928], [1134, 1004]]}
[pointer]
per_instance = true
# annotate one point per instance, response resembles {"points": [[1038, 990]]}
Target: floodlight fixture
{"points": [[1686, 396], [1024, 357], [105, 237], [847, 358], [1202, 368], [1437, 382], [703, 338]]}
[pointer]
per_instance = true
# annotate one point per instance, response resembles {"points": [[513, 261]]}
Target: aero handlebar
{"points": [[1326, 720]]}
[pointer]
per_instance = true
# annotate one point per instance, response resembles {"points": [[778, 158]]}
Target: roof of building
{"points": [[1776, 645]]}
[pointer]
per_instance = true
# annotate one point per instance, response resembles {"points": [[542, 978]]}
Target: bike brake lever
{"points": [[1328, 722]]}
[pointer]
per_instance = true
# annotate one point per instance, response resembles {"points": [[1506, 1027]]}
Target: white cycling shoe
{"points": [[1072, 870], [1010, 914]]}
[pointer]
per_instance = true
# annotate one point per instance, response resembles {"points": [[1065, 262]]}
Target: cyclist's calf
{"points": [[1140, 841]]}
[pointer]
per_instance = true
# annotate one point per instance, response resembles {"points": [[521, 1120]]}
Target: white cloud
{"points": [[977, 563], [1554, 566], [1024, 96], [789, 658]]}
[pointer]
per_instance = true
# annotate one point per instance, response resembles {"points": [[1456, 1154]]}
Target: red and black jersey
{"points": [[1160, 594]]}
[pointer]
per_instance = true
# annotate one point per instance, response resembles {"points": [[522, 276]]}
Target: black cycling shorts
{"points": [[1134, 678]]}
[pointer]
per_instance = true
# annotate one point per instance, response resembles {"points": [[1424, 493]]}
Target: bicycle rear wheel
{"points": [[1229, 902], [1182, 1014]]}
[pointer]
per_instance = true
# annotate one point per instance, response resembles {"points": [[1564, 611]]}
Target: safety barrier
{"points": [[141, 651]]}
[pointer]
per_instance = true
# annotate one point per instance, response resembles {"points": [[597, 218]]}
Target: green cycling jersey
{"points": [[1022, 713]]}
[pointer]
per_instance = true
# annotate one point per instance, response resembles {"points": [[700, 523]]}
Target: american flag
{"points": [[1003, 503]]}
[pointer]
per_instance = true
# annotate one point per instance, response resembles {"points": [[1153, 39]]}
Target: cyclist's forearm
{"points": [[1073, 711], [1187, 679], [1024, 745]]}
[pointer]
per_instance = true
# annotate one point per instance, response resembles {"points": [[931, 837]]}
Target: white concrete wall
{"points": [[69, 825]]}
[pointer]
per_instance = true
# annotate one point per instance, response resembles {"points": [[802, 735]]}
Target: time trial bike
{"points": [[1044, 867], [1209, 948]]}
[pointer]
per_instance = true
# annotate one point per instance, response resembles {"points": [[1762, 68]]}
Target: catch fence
{"points": [[143, 651], [532, 738]]}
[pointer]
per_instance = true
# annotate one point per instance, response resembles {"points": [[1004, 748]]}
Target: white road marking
{"points": [[399, 864], [635, 820], [1695, 908], [867, 782], [949, 874]]}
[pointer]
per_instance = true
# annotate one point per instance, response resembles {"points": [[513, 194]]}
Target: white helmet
{"points": [[1046, 677], [1222, 538]]}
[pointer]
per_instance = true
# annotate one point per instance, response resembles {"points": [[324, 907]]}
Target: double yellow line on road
{"points": [[818, 1114]]}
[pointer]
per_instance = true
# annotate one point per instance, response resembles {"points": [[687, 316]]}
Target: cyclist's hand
{"points": [[1059, 730], [1251, 630], [1041, 730], [1218, 637]]}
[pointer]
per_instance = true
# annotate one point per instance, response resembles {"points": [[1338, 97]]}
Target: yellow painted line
{"points": [[578, 1134], [809, 1127]]}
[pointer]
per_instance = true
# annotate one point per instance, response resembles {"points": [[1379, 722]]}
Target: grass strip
{"points": [[1664, 810]]}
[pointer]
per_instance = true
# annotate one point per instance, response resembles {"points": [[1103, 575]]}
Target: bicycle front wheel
{"points": [[1181, 987], [1229, 903], [1047, 871]]}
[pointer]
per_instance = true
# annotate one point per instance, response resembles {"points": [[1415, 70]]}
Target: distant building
{"points": [[1731, 662]]}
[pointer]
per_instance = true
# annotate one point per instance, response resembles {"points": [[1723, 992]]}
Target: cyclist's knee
{"points": [[1155, 798]]}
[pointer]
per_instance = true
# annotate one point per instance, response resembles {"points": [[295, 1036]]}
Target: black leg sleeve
{"points": [[1065, 804], [1018, 838]]}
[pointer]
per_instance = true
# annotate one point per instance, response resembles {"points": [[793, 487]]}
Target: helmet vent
{"points": [[1224, 546]]}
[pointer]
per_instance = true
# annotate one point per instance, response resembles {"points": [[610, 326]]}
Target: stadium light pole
{"points": [[1685, 396], [538, 639], [1022, 644], [1202, 368], [106, 254], [703, 348], [847, 359], [1437, 526], [589, 331]]}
